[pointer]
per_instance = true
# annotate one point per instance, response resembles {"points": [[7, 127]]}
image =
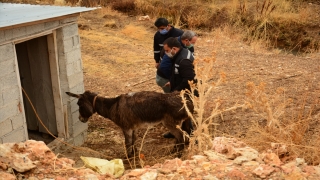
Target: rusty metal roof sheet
{"points": [[14, 14]]}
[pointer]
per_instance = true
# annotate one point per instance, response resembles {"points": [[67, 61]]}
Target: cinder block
{"points": [[68, 20], [8, 111], [73, 104], [75, 79], [75, 117], [2, 37], [78, 128], [1, 100], [64, 45], [69, 141], [17, 135], [68, 45], [62, 64], [7, 67], [10, 95], [78, 89], [74, 67], [8, 34], [8, 81], [77, 66], [17, 121], [79, 140], [5, 127], [33, 29], [74, 55], [52, 24], [59, 35], [19, 32], [70, 69], [76, 40], [6, 52], [70, 30], [85, 134]]}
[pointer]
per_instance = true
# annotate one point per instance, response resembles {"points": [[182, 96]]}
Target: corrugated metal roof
{"points": [[13, 14]]}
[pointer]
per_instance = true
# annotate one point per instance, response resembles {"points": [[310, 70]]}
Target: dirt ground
{"points": [[117, 58]]}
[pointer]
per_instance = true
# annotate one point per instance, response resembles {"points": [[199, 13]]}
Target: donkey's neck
{"points": [[103, 105]]}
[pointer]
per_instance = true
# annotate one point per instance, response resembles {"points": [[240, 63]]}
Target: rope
{"points": [[63, 142]]}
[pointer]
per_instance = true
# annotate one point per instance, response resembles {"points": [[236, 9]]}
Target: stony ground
{"points": [[228, 158]]}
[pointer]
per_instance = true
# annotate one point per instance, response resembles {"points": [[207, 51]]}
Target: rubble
{"points": [[33, 160], [227, 159]]}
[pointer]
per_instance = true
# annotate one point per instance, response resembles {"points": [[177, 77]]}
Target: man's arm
{"points": [[156, 50], [186, 71]]}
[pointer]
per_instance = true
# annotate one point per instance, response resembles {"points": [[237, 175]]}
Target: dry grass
{"points": [[282, 122], [278, 23], [291, 127], [258, 136], [203, 118], [273, 22]]}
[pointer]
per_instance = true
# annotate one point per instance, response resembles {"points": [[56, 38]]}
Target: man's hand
{"points": [[157, 65], [167, 84]]}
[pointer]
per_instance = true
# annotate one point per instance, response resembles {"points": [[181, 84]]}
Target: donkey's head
{"points": [[85, 103]]}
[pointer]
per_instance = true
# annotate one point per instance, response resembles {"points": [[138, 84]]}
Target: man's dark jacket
{"points": [[164, 69], [182, 70], [160, 38]]}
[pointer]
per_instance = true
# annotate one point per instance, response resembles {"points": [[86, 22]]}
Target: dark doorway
{"points": [[34, 69]]}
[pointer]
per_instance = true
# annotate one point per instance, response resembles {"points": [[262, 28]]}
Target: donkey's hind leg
{"points": [[178, 134]]}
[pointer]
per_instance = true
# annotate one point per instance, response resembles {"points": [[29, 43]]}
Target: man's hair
{"points": [[188, 35], [172, 42], [161, 22]]}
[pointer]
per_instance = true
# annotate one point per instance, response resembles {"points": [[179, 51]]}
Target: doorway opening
{"points": [[35, 76]]}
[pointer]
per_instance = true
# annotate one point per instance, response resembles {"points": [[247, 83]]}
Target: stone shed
{"points": [[40, 55]]}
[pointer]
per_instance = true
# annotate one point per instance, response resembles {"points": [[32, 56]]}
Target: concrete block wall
{"points": [[71, 75], [13, 126], [12, 121], [9, 35]]}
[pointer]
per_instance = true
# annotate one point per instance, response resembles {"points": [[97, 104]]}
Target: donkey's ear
{"points": [[73, 95]]}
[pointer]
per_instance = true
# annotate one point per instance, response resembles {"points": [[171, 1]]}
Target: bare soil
{"points": [[117, 58]]}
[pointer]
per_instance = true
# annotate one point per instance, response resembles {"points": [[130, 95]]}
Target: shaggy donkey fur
{"points": [[136, 110]]}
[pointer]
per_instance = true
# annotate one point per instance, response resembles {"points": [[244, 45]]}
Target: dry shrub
{"points": [[291, 128], [180, 13], [203, 119], [280, 24], [276, 23], [125, 6]]}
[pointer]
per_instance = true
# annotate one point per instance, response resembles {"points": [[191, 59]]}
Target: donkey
{"points": [[133, 111]]}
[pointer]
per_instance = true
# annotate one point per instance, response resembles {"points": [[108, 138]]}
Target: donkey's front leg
{"points": [[128, 139], [134, 139]]}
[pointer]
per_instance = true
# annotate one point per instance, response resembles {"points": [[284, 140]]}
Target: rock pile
{"points": [[227, 159], [33, 160]]}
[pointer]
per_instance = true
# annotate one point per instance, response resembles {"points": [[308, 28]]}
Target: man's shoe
{"points": [[168, 135]]}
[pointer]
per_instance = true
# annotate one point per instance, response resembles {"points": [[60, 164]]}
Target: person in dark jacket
{"points": [[187, 40], [182, 71], [165, 30]]}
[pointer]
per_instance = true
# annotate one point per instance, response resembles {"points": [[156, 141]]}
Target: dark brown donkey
{"points": [[136, 110]]}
